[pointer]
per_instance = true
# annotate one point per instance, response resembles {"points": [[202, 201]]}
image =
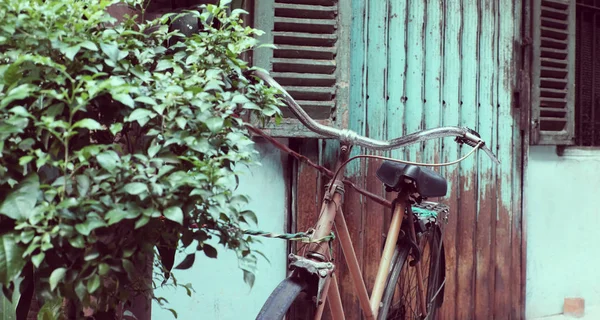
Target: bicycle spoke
{"points": [[406, 301]]}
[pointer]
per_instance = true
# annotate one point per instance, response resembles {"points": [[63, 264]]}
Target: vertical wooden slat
{"points": [[486, 210], [468, 169], [264, 19], [396, 75], [376, 128], [395, 82], [506, 152], [450, 117], [525, 101], [512, 11], [415, 59], [307, 211], [354, 204], [434, 78], [520, 32], [433, 83]]}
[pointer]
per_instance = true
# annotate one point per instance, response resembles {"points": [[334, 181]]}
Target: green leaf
{"points": [[115, 215], [187, 237], [187, 263], [80, 290], [146, 100], [57, 276], [173, 312], [20, 111], [89, 45], [250, 214], [141, 116], [210, 251], [153, 150], [181, 122], [214, 124], [128, 315], [89, 124], [93, 284], [192, 59], [77, 242], [38, 258], [135, 188], [71, 51], [91, 254], [108, 160], [142, 221], [111, 50], [263, 255], [129, 268], [12, 73], [51, 309], [188, 289], [174, 214], [124, 98], [83, 184], [163, 65], [92, 223], [20, 201], [25, 160], [249, 278], [11, 261], [116, 128], [103, 269]]}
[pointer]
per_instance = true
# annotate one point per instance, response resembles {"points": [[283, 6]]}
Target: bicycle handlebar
{"points": [[463, 135]]}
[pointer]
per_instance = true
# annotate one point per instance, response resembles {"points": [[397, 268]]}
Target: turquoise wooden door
{"points": [[419, 64]]}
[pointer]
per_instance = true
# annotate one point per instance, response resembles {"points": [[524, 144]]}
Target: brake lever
{"points": [[490, 154], [472, 138]]}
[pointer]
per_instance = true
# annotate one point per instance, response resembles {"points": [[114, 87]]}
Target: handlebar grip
{"points": [[473, 139], [473, 132]]}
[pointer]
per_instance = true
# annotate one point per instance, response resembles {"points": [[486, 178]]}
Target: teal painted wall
{"points": [[221, 293], [419, 64], [561, 196]]}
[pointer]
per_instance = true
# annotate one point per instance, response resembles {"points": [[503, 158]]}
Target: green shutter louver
{"points": [[310, 58], [553, 72]]}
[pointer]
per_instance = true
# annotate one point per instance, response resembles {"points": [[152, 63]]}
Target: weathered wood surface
{"points": [[419, 64]]}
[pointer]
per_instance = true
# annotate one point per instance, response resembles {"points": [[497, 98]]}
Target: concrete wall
{"points": [[221, 293], [562, 199]]}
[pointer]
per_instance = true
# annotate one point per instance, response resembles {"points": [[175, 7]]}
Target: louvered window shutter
{"points": [[553, 72], [310, 60]]}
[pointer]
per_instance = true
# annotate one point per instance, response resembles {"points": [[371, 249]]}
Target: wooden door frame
{"points": [[525, 55]]}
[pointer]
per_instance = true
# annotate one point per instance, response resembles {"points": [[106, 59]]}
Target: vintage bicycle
{"points": [[410, 279]]}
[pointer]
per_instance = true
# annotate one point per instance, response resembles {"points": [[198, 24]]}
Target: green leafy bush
{"points": [[118, 140]]}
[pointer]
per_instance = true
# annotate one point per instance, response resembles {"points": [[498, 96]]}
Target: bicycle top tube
{"points": [[350, 137]]}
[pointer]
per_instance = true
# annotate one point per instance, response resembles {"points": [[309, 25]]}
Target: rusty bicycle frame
{"points": [[315, 264], [319, 256]]}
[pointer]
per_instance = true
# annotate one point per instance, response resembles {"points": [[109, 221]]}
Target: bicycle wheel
{"points": [[281, 299], [401, 299]]}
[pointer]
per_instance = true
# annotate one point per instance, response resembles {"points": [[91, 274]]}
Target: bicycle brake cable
{"points": [[404, 161]]}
